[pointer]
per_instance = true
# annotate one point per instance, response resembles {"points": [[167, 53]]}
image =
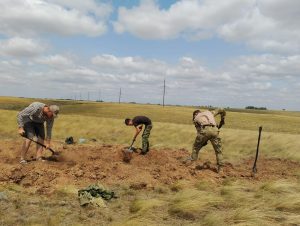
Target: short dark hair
{"points": [[127, 121], [196, 112]]}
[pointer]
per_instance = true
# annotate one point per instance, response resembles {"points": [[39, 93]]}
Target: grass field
{"points": [[272, 121], [172, 126], [229, 201]]}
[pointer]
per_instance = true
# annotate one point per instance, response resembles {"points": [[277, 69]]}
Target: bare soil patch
{"points": [[81, 165]]}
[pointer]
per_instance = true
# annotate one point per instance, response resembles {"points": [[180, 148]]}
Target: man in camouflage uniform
{"points": [[138, 123], [208, 130]]}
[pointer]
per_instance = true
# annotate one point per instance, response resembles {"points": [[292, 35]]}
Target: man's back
{"points": [[205, 118]]}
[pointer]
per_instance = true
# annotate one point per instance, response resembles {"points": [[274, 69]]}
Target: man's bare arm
{"points": [[222, 113], [138, 129]]}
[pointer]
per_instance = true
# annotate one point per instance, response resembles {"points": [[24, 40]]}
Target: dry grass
{"points": [[240, 203], [237, 143], [180, 185], [193, 204], [233, 202], [143, 205], [272, 121]]}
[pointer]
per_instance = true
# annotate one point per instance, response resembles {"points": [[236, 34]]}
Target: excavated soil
{"points": [[81, 165]]}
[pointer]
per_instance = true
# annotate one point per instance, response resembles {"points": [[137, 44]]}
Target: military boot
{"points": [[187, 161], [220, 169]]}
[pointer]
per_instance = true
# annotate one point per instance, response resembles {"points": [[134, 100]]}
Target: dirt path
{"points": [[81, 165]]}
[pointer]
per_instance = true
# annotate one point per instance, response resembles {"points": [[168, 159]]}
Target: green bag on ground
{"points": [[94, 194]]}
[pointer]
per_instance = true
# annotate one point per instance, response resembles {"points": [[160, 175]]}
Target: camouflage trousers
{"points": [[145, 138], [203, 136]]}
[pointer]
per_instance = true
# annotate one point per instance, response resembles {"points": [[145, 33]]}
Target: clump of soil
{"points": [[83, 164]]}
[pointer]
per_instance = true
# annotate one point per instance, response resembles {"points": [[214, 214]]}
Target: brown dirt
{"points": [[81, 165]]}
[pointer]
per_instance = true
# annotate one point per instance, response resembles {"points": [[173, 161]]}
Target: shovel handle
{"points": [[129, 149], [132, 142], [44, 146], [254, 169]]}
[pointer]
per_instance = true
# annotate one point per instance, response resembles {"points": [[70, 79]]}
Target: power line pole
{"points": [[120, 94], [164, 93]]}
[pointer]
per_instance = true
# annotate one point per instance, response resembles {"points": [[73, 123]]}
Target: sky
{"points": [[232, 53]]}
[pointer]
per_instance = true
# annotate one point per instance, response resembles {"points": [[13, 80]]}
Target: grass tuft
{"points": [[142, 205], [192, 204]]}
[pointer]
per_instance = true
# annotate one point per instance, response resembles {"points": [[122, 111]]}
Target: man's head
{"points": [[195, 113], [128, 122], [51, 111]]}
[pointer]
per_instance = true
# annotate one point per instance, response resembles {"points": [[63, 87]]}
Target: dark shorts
{"points": [[34, 129]]}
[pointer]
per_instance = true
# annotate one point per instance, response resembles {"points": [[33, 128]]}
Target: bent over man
{"points": [[138, 123], [208, 130], [31, 123]]}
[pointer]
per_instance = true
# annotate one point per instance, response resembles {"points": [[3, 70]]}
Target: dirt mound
{"points": [[81, 165]]}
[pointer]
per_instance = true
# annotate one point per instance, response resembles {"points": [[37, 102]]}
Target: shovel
{"points": [[44, 146], [127, 153], [254, 169], [130, 147]]}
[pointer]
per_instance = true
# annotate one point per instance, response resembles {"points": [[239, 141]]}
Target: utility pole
{"points": [[164, 93], [80, 96], [120, 94]]}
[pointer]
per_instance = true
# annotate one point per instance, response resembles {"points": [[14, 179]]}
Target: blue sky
{"points": [[223, 53]]}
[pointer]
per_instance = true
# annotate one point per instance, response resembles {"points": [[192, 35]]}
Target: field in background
{"points": [[212, 200], [272, 121], [172, 126]]}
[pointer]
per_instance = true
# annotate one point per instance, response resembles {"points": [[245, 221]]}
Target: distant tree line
{"points": [[256, 108]]}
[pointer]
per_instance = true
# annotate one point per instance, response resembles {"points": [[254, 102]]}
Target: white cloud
{"points": [[286, 12], [261, 86], [56, 61], [265, 66], [150, 22], [99, 9], [21, 47], [260, 80], [126, 64], [266, 31], [28, 17], [83, 71], [266, 25], [9, 72]]}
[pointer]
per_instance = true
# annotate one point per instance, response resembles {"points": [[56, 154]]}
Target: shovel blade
{"points": [[127, 156]]}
